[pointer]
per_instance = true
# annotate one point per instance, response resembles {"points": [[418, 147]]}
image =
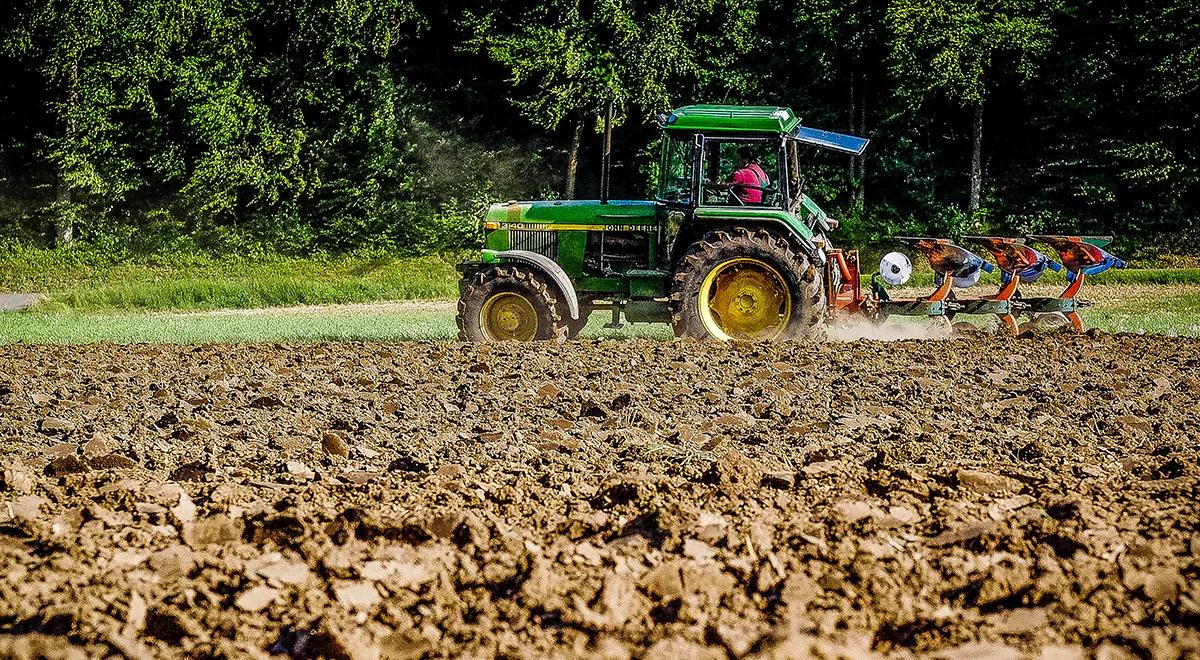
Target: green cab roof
{"points": [[731, 118]]}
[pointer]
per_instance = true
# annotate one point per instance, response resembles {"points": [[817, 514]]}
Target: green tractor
{"points": [[731, 248]]}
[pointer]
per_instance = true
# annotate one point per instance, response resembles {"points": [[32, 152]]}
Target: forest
{"points": [[318, 127]]}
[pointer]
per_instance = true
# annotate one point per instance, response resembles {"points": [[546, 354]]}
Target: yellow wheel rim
{"points": [[508, 316], [744, 299]]}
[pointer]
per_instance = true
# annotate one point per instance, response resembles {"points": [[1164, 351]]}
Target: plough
{"points": [[956, 267]]}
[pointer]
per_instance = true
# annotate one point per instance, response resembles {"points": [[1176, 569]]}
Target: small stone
{"points": [[985, 483], [1021, 620], [17, 479], [678, 648], [450, 471], [1003, 581], [961, 534], [549, 391], [664, 581], [55, 425], [358, 477], [342, 640], [443, 525], [217, 529], [589, 553], [173, 562], [404, 645], [28, 508], [367, 452], [299, 469], [66, 465], [979, 651], [184, 509], [358, 595], [698, 550], [256, 598], [285, 572], [112, 462], [780, 480], [335, 444], [854, 511], [95, 447], [135, 616], [1163, 585]]}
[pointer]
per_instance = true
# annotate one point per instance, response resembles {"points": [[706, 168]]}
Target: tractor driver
{"points": [[749, 179]]}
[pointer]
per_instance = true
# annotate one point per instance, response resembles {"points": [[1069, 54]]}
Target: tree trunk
{"points": [[976, 158], [573, 157], [853, 172], [860, 195], [64, 216]]}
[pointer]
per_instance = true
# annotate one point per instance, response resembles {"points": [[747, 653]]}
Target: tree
{"points": [[95, 56], [572, 57], [956, 47]]}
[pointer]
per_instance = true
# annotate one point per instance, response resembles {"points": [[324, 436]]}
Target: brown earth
{"points": [[986, 498]]}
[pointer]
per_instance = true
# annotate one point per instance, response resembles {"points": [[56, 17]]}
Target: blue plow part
{"points": [[1032, 273], [1110, 261], [848, 144]]}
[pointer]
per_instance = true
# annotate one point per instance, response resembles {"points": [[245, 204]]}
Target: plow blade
{"points": [[1081, 256]]}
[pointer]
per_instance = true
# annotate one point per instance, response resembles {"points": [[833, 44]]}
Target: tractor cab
{"points": [[745, 161]]}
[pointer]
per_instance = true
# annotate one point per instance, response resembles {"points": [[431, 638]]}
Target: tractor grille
{"points": [[541, 242]]}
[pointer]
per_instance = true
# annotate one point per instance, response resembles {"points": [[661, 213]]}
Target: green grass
{"points": [[386, 323], [92, 279], [237, 284], [1171, 310]]}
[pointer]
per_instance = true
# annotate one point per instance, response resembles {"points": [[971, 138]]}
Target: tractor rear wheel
{"points": [[746, 284], [508, 303]]}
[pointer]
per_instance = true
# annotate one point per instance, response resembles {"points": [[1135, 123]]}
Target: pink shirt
{"points": [[752, 175]]}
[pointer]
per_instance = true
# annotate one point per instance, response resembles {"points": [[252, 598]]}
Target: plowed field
{"points": [[972, 498]]}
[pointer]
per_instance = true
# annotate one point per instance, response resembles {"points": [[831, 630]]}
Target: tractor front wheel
{"points": [[508, 303], [748, 285]]}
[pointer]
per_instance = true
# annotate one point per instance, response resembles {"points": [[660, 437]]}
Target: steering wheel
{"points": [[713, 189]]}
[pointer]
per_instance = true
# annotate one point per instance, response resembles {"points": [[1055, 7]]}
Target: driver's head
{"points": [[747, 155]]}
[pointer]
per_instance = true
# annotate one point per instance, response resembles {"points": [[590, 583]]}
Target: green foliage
{"points": [[643, 56], [255, 128], [954, 46]]}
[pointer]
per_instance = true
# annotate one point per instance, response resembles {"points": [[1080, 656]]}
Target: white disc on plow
{"points": [[895, 268]]}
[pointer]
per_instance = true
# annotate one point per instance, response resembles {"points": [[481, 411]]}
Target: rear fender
{"points": [[806, 245], [779, 221], [547, 267]]}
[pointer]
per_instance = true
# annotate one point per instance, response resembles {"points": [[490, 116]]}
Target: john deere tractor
{"points": [[717, 254]]}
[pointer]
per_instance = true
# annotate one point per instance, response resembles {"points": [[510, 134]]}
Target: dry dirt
{"points": [[993, 498]]}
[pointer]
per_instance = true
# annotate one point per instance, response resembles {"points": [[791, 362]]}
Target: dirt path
{"points": [[15, 302], [994, 498]]}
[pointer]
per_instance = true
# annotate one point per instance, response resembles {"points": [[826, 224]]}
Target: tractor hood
{"points": [[847, 144], [582, 214]]}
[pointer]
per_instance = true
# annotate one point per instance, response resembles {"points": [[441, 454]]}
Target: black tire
{"points": [[803, 280], [508, 282]]}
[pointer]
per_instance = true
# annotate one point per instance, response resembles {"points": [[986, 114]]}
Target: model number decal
{"points": [[534, 226]]}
